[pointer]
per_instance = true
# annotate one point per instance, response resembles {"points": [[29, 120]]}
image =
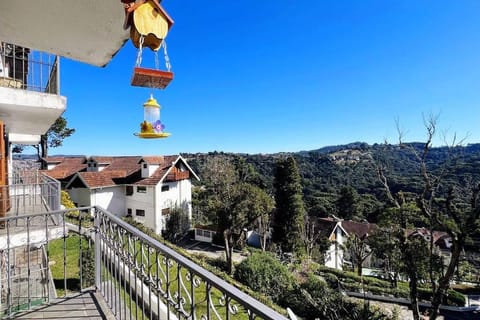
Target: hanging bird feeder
{"points": [[151, 127], [149, 25]]}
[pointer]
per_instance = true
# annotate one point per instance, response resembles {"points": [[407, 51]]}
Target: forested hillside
{"points": [[343, 180]]}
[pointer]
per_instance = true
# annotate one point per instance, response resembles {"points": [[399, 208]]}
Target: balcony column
{"points": [[98, 266]]}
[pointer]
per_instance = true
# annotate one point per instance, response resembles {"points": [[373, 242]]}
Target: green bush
{"points": [[265, 274], [67, 202], [455, 298]]}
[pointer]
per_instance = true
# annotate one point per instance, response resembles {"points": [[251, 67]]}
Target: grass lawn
{"points": [[65, 264]]}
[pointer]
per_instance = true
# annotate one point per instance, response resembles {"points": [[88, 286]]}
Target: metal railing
{"points": [[29, 192], [139, 277], [23, 68]]}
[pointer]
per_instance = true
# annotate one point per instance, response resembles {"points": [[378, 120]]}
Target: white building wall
{"points": [[81, 196], [142, 201], [179, 194], [149, 170], [111, 199], [334, 254], [159, 220]]}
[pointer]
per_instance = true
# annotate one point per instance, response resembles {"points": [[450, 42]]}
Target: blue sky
{"points": [[271, 76]]}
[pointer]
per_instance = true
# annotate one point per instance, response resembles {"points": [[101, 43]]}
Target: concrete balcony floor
{"points": [[80, 306]]}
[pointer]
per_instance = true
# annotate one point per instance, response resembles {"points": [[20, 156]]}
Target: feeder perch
{"points": [[151, 127], [151, 78]]}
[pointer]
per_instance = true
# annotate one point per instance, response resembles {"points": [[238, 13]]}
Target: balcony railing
{"points": [[138, 277], [29, 192], [22, 68]]}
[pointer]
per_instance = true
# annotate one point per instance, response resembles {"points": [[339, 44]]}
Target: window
{"points": [[129, 212], [142, 189], [140, 213], [145, 166], [165, 212], [129, 190], [165, 188]]}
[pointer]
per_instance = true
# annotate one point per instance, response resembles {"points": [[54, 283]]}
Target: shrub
{"points": [[455, 298], [67, 202], [265, 274]]}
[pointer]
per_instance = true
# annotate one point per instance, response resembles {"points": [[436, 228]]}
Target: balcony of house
{"points": [[97, 266], [28, 193], [30, 100]]}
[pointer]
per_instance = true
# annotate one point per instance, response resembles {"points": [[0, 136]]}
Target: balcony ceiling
{"points": [[83, 30], [28, 114]]}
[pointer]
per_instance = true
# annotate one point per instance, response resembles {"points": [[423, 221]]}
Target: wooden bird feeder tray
{"points": [[151, 78]]}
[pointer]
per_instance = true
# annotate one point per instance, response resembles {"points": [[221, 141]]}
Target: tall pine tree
{"points": [[290, 213]]}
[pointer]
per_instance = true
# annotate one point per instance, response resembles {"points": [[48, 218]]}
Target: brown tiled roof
{"points": [[424, 232], [98, 179], [159, 173], [104, 160], [127, 164], [324, 226], [67, 167], [154, 159], [360, 229], [54, 159]]}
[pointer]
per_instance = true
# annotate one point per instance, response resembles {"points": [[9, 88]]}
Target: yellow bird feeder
{"points": [[152, 127]]}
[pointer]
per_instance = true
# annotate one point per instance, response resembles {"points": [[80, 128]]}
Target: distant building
{"points": [[338, 231], [145, 188]]}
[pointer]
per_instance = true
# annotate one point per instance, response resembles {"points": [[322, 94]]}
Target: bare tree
{"points": [[458, 221], [359, 250]]}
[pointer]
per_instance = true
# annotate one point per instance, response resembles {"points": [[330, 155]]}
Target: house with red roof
{"points": [[338, 231], [145, 188]]}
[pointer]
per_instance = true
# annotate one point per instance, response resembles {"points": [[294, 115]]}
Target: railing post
{"points": [[98, 253], [57, 61]]}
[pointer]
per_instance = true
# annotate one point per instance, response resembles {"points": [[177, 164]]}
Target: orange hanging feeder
{"points": [[149, 25]]}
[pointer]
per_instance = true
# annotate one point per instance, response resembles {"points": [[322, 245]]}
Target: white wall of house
{"points": [[148, 169], [80, 196], [179, 193], [111, 199], [334, 255], [145, 201], [50, 166]]}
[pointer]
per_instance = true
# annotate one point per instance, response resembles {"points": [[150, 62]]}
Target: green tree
{"points": [[177, 224], [290, 214], [385, 247], [234, 204], [265, 274], [347, 203], [359, 250]]}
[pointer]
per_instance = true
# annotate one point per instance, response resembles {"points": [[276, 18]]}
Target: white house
{"points": [[338, 232], [145, 188]]}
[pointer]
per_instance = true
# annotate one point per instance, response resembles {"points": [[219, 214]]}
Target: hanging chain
{"points": [[167, 59], [139, 54], [157, 62]]}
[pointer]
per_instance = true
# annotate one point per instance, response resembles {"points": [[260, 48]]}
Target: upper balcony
{"points": [[29, 92]]}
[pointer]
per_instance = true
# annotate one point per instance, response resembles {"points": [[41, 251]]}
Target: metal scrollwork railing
{"points": [[142, 278]]}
